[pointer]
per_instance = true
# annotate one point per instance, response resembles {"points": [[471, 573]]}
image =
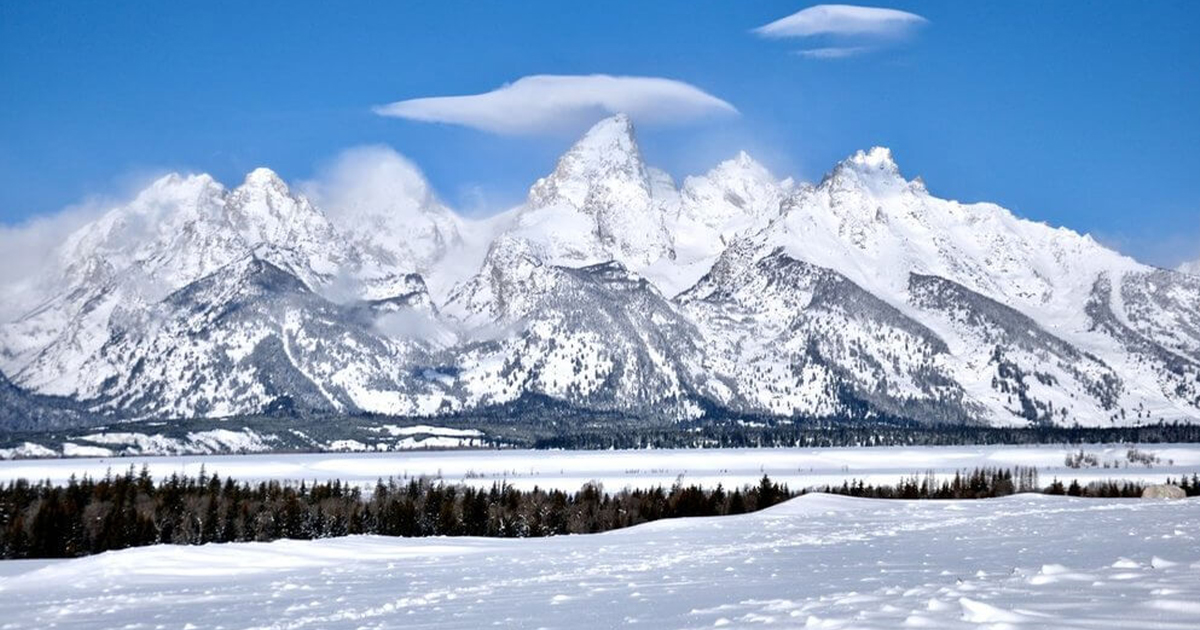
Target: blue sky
{"points": [[1074, 113]]}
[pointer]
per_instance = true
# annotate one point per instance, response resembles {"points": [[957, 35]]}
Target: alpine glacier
{"points": [[610, 289]]}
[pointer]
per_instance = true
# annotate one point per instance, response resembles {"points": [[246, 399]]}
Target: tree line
{"points": [[987, 483], [87, 516], [981, 483], [770, 433]]}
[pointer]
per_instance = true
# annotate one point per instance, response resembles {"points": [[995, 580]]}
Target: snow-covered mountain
{"points": [[1192, 267], [1021, 325], [610, 289]]}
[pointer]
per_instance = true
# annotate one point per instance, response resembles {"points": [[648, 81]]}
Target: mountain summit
{"points": [[607, 155], [609, 290], [604, 179]]}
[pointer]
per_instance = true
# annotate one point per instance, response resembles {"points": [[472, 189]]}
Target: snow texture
{"points": [[819, 561]]}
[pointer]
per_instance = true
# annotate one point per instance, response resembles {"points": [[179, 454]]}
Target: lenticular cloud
{"points": [[551, 103], [842, 19]]}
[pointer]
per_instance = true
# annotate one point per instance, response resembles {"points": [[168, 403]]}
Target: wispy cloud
{"points": [[381, 197], [834, 52], [542, 104], [842, 20], [368, 180], [28, 249]]}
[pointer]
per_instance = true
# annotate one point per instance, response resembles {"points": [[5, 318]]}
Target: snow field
{"points": [[569, 470], [819, 561]]}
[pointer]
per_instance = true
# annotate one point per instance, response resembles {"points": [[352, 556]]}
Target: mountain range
{"points": [[611, 289]]}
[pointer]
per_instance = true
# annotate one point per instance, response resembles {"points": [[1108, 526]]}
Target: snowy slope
{"points": [[603, 203], [24, 411], [819, 561], [967, 270], [797, 339], [252, 337], [735, 198], [136, 322], [862, 296], [176, 232]]}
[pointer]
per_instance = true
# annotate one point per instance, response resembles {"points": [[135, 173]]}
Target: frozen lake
{"points": [[569, 470], [819, 561]]}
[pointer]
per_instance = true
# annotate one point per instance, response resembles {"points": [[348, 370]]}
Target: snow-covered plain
{"points": [[1026, 561], [569, 470]]}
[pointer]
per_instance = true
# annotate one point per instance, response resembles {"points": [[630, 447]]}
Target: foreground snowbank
{"points": [[1026, 561]]}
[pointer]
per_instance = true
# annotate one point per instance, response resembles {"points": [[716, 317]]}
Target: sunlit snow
{"points": [[1027, 561]]}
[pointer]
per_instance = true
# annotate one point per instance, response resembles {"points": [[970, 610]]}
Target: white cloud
{"points": [[29, 249], [415, 325], [383, 200], [552, 103], [834, 52], [367, 180], [842, 20]]}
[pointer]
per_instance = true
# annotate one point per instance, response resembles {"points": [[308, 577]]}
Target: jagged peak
{"points": [[263, 210], [263, 177], [608, 151], [618, 128], [874, 170], [741, 178], [918, 184], [611, 142], [166, 203], [743, 165], [263, 190]]}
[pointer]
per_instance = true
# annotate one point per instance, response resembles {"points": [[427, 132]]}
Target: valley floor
{"points": [[570, 470], [1026, 561]]}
